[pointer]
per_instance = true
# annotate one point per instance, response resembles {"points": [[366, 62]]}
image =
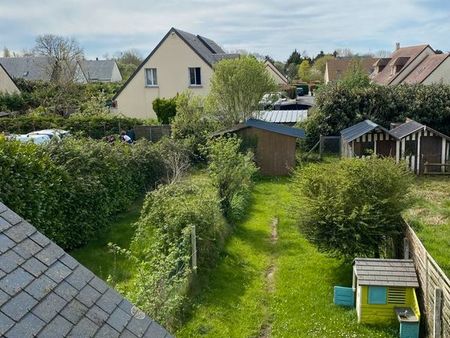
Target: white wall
{"points": [[116, 76], [172, 61], [6, 84]]}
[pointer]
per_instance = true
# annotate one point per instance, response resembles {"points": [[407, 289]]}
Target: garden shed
{"points": [[423, 148], [274, 144]]}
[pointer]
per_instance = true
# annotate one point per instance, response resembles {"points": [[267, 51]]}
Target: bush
{"points": [[162, 245], [165, 109], [231, 173], [70, 190], [351, 208], [96, 126]]}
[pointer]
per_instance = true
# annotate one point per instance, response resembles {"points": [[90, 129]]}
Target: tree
{"points": [[352, 208], [321, 62], [63, 53], [165, 109], [304, 71], [128, 61], [292, 71], [295, 58], [237, 86], [6, 52], [355, 76]]}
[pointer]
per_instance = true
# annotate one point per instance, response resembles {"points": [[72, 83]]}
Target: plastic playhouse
{"points": [[383, 291]]}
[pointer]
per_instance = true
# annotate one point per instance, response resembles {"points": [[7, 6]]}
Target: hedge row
{"points": [[93, 126], [70, 190]]}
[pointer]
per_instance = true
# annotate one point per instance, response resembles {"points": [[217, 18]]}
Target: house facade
{"points": [[411, 65], [275, 74], [180, 61], [7, 84]]}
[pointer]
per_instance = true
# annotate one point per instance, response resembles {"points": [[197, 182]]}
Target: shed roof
{"points": [[406, 129], [351, 133], [263, 125], [386, 272], [46, 292], [282, 116]]}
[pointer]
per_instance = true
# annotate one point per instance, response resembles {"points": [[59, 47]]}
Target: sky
{"points": [[267, 27]]}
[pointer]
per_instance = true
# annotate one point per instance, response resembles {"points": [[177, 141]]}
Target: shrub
{"points": [[165, 109], [352, 208], [231, 173], [162, 245], [70, 190]]}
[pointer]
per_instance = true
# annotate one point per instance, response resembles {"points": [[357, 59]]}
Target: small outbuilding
{"points": [[424, 149], [274, 144]]}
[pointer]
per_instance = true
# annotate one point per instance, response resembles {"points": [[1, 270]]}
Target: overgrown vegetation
{"points": [[70, 190], [165, 109], [352, 208]]}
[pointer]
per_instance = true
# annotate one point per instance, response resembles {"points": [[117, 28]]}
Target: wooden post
{"points": [[437, 313], [405, 248], [194, 249], [443, 154], [321, 140]]}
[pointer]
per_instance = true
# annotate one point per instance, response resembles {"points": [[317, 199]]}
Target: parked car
{"points": [[51, 133], [37, 139], [270, 99]]}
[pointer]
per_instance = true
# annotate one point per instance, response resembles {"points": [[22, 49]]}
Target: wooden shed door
{"points": [[430, 151], [386, 148]]}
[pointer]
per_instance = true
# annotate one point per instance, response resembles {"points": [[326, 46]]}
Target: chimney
{"points": [[397, 45], [96, 59]]}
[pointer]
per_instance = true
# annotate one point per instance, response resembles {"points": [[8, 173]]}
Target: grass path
{"points": [[239, 301]]}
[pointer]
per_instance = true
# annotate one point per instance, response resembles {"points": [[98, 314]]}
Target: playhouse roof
{"points": [[386, 272], [353, 132]]}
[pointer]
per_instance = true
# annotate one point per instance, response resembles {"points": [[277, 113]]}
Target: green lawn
{"points": [[430, 216], [96, 255], [237, 302]]}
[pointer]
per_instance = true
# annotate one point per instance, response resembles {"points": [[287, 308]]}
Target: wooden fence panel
{"points": [[431, 277], [152, 133]]}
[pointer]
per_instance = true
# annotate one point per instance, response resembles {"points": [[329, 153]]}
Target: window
{"points": [[151, 78], [377, 295], [195, 78]]}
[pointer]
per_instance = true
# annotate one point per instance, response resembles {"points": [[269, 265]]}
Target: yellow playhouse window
{"points": [[377, 295]]}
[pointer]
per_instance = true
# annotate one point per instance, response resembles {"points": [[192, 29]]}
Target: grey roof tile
{"points": [[50, 254], [28, 327], [80, 277], [97, 315], [74, 311], [127, 334], [11, 217], [119, 319], [9, 261], [107, 331], [58, 327], [5, 324], [84, 328], [35, 267], [41, 287], [40, 239], [27, 248], [19, 306], [5, 243], [109, 300], [4, 224], [4, 297], [88, 295], [126, 306], [58, 271], [139, 326], [3, 207], [155, 331], [29, 67], [66, 291], [15, 281], [49, 307], [99, 285], [69, 261], [20, 231]]}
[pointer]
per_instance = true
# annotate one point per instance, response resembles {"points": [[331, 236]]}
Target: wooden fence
{"points": [[435, 287], [152, 133]]}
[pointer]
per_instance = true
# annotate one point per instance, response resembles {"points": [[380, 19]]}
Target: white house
{"points": [[7, 84]]}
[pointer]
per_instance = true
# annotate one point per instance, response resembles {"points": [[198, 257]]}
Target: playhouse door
{"points": [[430, 151], [386, 148]]}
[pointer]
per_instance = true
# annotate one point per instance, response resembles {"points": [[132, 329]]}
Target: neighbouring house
{"points": [[45, 292], [7, 84], [180, 61], [29, 67], [413, 64], [336, 68], [276, 75], [424, 149], [274, 144], [97, 71], [287, 117]]}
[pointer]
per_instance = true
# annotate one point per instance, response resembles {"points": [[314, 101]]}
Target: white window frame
{"points": [[195, 77], [153, 78]]}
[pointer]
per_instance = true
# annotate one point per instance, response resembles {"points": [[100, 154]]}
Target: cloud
{"points": [[270, 27]]}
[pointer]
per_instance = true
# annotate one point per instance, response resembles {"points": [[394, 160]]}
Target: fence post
{"points": [[321, 140], [194, 249], [405, 248], [437, 313]]}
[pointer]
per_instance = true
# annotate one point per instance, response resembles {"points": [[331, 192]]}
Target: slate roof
{"points": [[406, 129], [351, 133], [425, 68], [28, 67], [386, 272], [45, 292], [268, 126], [98, 70], [282, 116]]}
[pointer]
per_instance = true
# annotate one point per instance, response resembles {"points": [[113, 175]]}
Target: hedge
{"points": [[93, 126], [70, 190]]}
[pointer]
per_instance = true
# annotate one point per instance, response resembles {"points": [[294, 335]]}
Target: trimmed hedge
{"points": [[70, 190], [93, 126]]}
